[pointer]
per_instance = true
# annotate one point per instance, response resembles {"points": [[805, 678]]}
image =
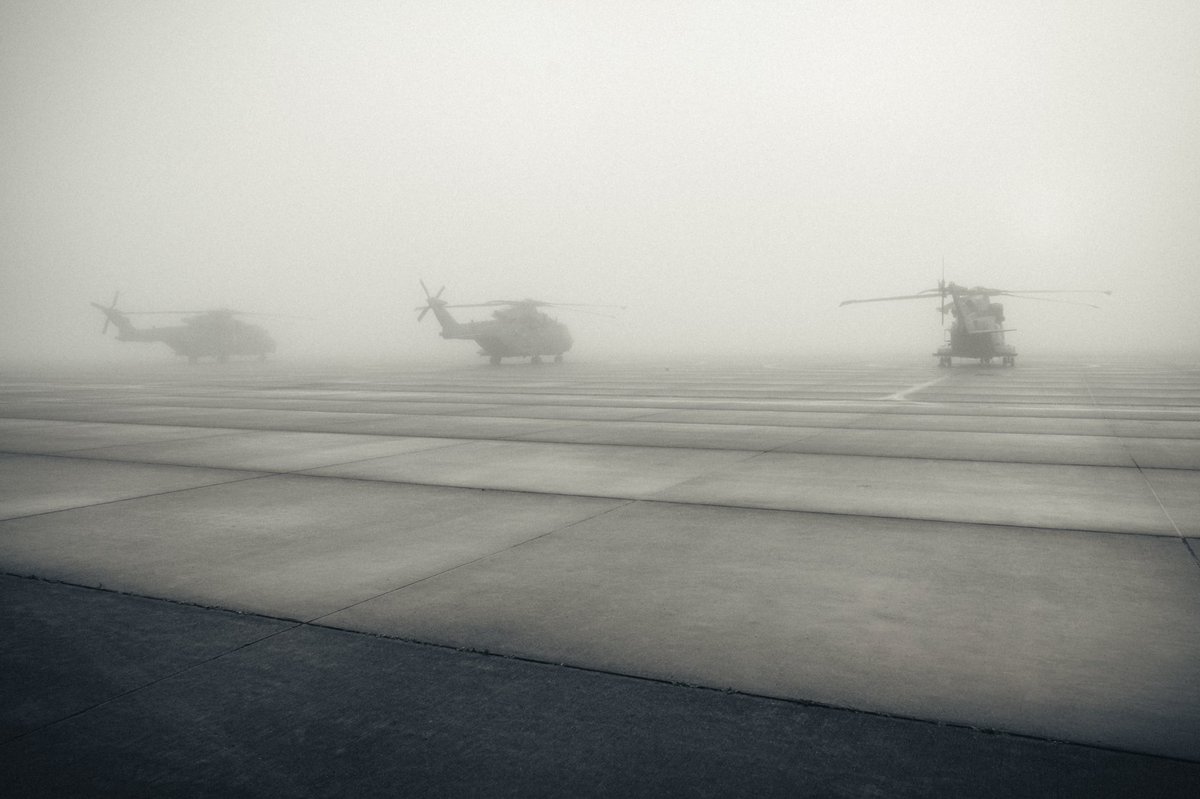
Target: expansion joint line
{"points": [[137, 689], [316, 621], [119, 500], [1142, 472]]}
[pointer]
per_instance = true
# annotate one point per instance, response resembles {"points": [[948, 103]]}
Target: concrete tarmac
{"points": [[812, 578]]}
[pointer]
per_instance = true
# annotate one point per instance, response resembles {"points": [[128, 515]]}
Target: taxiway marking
{"points": [[903, 395]]}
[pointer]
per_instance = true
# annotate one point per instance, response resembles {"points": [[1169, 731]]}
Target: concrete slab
{"points": [[119, 413], [1097, 498], [46, 437], [989, 447], [16, 427], [1157, 429], [581, 412], [1070, 636], [789, 418], [326, 404], [881, 611], [975, 418], [315, 421], [286, 546], [1164, 453], [67, 650], [33, 484], [994, 422], [315, 711], [424, 407], [479, 427], [273, 451], [239, 418], [577, 469], [1179, 493], [750, 438]]}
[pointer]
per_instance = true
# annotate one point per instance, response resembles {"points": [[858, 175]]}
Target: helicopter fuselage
{"points": [[215, 334], [517, 330], [524, 335], [977, 331]]}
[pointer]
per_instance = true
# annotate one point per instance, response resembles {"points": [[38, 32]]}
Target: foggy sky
{"points": [[730, 171]]}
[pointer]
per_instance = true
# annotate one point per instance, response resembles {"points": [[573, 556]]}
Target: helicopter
{"points": [[518, 328], [978, 327], [217, 334]]}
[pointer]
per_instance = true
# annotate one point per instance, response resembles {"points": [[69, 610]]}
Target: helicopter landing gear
{"points": [[1009, 360]]}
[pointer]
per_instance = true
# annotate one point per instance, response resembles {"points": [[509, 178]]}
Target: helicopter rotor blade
{"points": [[218, 311], [1051, 291], [590, 313], [1046, 299], [546, 304], [927, 295], [533, 304]]}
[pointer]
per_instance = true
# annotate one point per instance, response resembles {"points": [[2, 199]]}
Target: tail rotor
{"points": [[112, 307], [430, 299]]}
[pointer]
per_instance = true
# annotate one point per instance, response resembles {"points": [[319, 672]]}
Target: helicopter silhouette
{"points": [[217, 334], [517, 330], [978, 327]]}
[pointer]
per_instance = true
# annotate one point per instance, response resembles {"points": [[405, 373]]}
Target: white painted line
{"points": [[900, 396]]}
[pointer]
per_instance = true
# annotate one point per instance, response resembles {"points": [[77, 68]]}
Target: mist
{"points": [[728, 171]]}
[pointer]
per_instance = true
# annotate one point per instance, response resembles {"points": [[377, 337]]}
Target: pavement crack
{"points": [[157, 680], [138, 497], [316, 620], [1145, 477]]}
